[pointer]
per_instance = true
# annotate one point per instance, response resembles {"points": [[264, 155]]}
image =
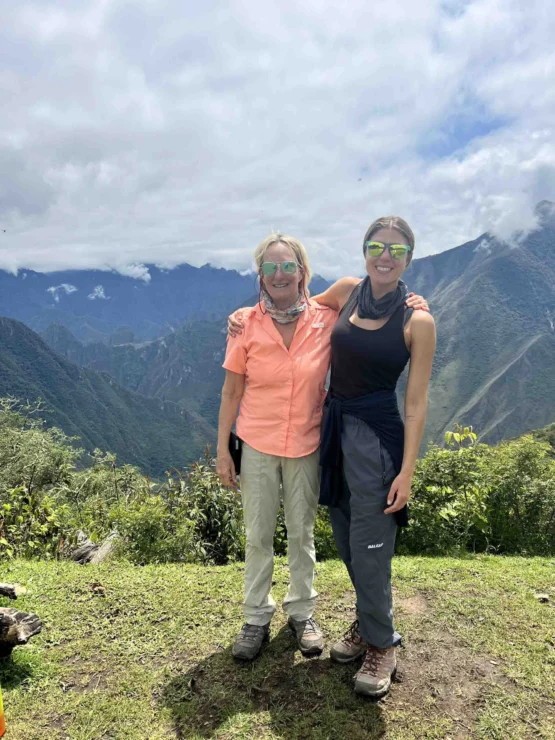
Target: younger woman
{"points": [[367, 456]]}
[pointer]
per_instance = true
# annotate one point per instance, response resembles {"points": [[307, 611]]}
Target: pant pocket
{"points": [[388, 471]]}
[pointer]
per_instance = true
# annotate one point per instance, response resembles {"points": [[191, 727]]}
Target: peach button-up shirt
{"points": [[281, 407]]}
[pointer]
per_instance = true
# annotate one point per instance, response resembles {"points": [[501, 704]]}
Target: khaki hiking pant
{"points": [[261, 476]]}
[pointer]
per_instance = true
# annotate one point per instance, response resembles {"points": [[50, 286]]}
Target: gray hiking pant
{"points": [[365, 536]]}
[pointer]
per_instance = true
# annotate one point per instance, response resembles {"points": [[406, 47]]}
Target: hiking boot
{"points": [[378, 668], [249, 641], [349, 647], [309, 635]]}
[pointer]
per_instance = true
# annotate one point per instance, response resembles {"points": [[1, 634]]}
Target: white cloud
{"points": [[146, 133], [139, 272], [98, 293], [485, 246], [56, 290]]}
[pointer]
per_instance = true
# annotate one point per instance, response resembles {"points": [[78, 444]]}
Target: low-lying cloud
{"points": [[57, 290], [98, 294]]}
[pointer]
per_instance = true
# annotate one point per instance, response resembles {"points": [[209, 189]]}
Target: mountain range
{"points": [[494, 305], [104, 306]]}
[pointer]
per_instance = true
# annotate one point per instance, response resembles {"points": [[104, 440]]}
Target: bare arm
{"points": [[337, 294], [423, 343], [232, 393]]}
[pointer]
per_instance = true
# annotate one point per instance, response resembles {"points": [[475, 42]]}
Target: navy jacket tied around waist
{"points": [[379, 410]]}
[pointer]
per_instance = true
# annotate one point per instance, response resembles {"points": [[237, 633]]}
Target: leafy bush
{"points": [[448, 506], [215, 511], [152, 532], [466, 496], [33, 461], [479, 498], [323, 535], [96, 496], [31, 456], [29, 525], [521, 504]]}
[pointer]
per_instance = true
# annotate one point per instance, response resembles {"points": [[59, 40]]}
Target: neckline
{"points": [[361, 328]]}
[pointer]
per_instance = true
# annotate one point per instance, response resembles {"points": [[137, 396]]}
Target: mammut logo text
{"points": [[375, 547]]}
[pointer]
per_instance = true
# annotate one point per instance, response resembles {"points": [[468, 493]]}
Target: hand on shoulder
{"points": [[236, 321]]}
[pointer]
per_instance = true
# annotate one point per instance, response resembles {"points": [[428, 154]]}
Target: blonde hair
{"points": [[301, 257], [391, 222]]}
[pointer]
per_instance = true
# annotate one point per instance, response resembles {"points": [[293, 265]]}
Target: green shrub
{"points": [[152, 532], [323, 535], [33, 462], [479, 498], [98, 494], [215, 511], [448, 503], [521, 504], [467, 496], [30, 525]]}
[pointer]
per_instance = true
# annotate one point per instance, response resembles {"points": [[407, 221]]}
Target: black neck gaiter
{"points": [[369, 307]]}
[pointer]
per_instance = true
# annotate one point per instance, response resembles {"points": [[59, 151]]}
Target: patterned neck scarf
{"points": [[284, 315]]}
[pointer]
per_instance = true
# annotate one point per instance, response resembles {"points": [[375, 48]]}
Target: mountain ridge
{"points": [[494, 305]]}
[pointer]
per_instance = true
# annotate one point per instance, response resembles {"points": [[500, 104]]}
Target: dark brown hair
{"points": [[391, 222]]}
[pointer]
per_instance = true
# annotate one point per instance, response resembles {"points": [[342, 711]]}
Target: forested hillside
{"points": [[153, 434], [184, 366]]}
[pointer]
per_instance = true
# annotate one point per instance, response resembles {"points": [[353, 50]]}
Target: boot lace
{"points": [[311, 626], [372, 660], [250, 632], [352, 635]]}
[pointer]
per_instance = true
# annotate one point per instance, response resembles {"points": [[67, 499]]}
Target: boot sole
{"points": [[316, 650], [361, 689]]}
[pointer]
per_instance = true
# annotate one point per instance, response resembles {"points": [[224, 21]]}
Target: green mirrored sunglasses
{"points": [[376, 249], [270, 268]]}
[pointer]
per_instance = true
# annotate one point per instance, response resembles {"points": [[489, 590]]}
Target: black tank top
{"points": [[364, 361]]}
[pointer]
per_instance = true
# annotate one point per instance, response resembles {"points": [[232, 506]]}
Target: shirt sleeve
{"points": [[236, 355]]}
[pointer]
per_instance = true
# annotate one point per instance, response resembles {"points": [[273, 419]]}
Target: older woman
{"points": [[276, 370]]}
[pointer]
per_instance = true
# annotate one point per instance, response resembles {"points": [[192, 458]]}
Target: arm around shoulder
{"points": [[337, 294]]}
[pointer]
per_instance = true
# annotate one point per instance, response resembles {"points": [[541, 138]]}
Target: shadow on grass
{"points": [[14, 671], [310, 699]]}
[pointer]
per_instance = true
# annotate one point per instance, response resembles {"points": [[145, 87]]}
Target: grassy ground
{"points": [[140, 653]]}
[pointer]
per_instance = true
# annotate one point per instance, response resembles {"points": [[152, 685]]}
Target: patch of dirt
{"points": [[437, 675], [440, 667], [83, 683], [412, 605], [345, 605]]}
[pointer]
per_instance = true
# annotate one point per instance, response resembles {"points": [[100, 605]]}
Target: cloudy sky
{"points": [[167, 131]]}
